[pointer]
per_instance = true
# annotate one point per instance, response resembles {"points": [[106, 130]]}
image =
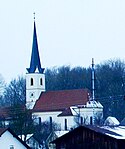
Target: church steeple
{"points": [[35, 78], [35, 58]]}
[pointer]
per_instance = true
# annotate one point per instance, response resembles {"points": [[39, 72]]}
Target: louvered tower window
{"points": [[31, 82], [41, 81]]}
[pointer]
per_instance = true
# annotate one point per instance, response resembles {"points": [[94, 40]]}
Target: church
{"points": [[67, 108]]}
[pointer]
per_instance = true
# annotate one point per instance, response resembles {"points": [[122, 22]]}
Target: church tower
{"points": [[35, 77]]}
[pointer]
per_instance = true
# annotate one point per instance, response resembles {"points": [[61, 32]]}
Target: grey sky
{"points": [[70, 32]]}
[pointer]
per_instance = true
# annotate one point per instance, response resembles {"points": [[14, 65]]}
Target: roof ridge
{"points": [[66, 90]]}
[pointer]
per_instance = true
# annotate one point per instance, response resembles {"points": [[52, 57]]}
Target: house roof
{"points": [[117, 132], [3, 130], [28, 136], [122, 122], [8, 112], [56, 134], [60, 100], [4, 113], [60, 133], [66, 112], [35, 138], [111, 121]]}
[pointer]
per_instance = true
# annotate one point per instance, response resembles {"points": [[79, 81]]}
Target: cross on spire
{"points": [[34, 16]]}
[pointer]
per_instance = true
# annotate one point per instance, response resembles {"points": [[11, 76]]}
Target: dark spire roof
{"points": [[35, 58]]}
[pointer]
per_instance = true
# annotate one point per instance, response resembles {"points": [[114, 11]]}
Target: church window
{"points": [[91, 120], [11, 147], [41, 81], [65, 124], [51, 121], [31, 82]]}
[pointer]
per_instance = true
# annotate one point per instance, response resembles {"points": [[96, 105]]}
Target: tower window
{"points": [[31, 82], [41, 81]]}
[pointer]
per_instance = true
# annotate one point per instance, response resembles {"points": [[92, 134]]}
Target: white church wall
{"points": [[45, 116], [34, 90], [36, 77], [70, 122], [88, 113], [92, 112]]}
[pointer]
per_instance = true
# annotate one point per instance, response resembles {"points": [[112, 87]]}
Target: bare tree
{"points": [[15, 92], [22, 121]]}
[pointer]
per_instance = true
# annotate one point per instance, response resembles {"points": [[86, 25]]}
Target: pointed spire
{"points": [[35, 58]]}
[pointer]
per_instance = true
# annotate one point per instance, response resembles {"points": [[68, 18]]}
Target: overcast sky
{"points": [[70, 32]]}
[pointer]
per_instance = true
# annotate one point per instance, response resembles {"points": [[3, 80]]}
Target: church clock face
{"points": [[31, 94]]}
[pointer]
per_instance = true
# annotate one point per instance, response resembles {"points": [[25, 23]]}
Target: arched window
{"points": [[31, 82], [91, 120], [51, 121], [41, 81], [65, 124]]}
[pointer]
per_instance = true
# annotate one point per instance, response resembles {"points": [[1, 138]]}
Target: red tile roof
{"points": [[2, 130], [66, 112], [8, 112], [59, 100], [4, 112]]}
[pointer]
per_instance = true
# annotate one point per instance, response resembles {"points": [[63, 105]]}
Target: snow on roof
{"points": [[111, 121], [119, 130], [27, 137], [73, 110], [60, 133], [94, 104]]}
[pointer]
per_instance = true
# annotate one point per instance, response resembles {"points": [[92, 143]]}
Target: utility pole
{"points": [[93, 89], [93, 80]]}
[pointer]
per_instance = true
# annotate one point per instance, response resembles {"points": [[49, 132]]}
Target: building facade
{"points": [[35, 77], [92, 137], [67, 108], [9, 140]]}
